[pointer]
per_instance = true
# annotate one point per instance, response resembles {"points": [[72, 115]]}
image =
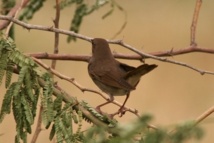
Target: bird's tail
{"points": [[133, 76]]}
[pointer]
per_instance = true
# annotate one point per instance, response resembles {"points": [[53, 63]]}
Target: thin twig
{"points": [[194, 22], [45, 28], [124, 24], [12, 12], [73, 57], [85, 58], [15, 16], [143, 54], [198, 120], [204, 115], [56, 35], [38, 126]]}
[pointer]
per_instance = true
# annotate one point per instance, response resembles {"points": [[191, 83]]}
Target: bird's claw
{"points": [[120, 112]]}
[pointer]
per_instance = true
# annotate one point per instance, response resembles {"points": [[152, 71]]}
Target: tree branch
{"points": [[85, 58], [204, 115], [194, 22], [12, 13], [143, 54], [119, 42], [56, 35], [45, 28], [38, 126]]}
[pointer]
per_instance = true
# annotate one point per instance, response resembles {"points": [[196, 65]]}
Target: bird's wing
{"points": [[141, 70], [126, 67], [111, 78], [133, 77]]}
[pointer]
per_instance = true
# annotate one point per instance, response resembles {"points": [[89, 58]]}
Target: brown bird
{"points": [[111, 76]]}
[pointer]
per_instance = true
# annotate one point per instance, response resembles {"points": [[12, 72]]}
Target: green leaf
{"points": [[27, 110], [59, 134], [29, 10], [47, 102], [6, 105], [9, 73], [3, 65], [80, 12], [52, 133]]}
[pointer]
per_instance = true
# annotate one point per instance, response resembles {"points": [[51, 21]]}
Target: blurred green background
{"points": [[171, 93]]}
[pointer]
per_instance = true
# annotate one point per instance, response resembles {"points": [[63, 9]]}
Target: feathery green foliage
{"points": [[9, 73], [3, 64], [137, 132], [5, 49], [63, 126], [23, 94], [6, 6], [6, 105], [84, 9], [32, 7]]}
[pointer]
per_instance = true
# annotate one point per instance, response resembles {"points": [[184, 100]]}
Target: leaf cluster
{"points": [[22, 98], [138, 132], [82, 9], [22, 95]]}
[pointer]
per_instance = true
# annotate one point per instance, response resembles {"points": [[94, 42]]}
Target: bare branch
{"points": [[12, 12], [38, 126], [204, 115], [191, 49], [194, 21], [122, 27], [85, 58], [56, 36], [15, 16], [45, 28], [120, 42]]}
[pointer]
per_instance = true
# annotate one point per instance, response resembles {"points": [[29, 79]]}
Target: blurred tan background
{"points": [[171, 93]]}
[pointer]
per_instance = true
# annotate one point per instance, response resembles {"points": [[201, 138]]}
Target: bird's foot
{"points": [[120, 112]]}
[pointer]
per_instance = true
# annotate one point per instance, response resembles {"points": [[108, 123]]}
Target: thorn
{"points": [[51, 28], [170, 52], [202, 72], [72, 79], [46, 54]]}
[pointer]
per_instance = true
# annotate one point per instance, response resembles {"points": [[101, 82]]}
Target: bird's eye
{"points": [[93, 43]]}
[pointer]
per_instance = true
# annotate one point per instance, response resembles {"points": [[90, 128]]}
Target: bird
{"points": [[111, 76]]}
